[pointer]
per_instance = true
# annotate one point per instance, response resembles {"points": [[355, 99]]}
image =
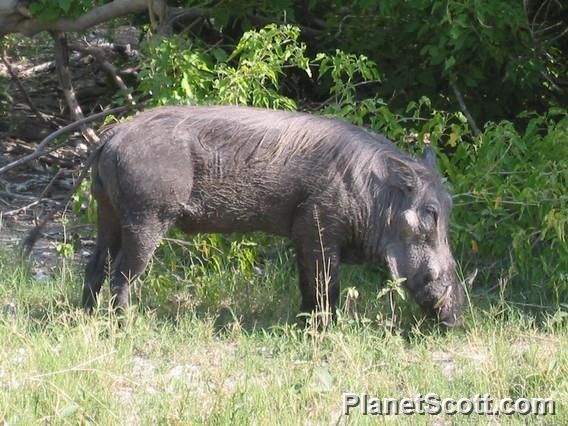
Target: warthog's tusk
{"points": [[442, 301]]}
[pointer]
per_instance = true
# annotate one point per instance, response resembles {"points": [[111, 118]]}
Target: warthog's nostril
{"points": [[444, 299], [452, 322], [430, 275]]}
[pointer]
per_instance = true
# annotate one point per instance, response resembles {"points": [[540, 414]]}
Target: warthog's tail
{"points": [[34, 235]]}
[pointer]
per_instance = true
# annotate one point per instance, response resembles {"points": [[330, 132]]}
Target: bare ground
{"points": [[38, 187]]}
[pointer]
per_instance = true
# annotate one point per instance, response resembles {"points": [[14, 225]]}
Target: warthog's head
{"points": [[416, 243]]}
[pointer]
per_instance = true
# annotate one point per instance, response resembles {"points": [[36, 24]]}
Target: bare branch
{"points": [[18, 18], [39, 199], [64, 75], [28, 72], [42, 147], [464, 109]]}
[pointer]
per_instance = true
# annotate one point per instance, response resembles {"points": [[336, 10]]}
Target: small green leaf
{"points": [[65, 5], [219, 54], [449, 63]]}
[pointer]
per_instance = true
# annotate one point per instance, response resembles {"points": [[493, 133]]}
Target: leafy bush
{"points": [[487, 48], [51, 10], [176, 71], [512, 205], [511, 208]]}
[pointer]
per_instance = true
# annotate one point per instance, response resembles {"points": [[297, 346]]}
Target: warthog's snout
{"points": [[447, 308], [440, 300]]}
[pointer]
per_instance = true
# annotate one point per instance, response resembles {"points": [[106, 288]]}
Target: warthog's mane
{"points": [[348, 150]]}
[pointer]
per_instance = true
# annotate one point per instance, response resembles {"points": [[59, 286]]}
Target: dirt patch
{"points": [[36, 108]]}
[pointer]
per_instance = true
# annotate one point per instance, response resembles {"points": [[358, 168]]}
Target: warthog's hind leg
{"points": [[138, 243], [108, 243]]}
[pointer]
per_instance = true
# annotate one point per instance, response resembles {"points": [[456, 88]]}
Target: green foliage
{"points": [[423, 46], [176, 71], [512, 204], [65, 250], [346, 72], [227, 13], [51, 10], [84, 203], [262, 57]]}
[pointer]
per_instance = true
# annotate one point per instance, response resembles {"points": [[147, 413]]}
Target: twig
{"points": [[25, 197], [41, 148], [30, 239], [22, 89], [64, 75], [534, 31], [50, 184], [464, 109], [21, 209], [39, 199], [46, 66]]}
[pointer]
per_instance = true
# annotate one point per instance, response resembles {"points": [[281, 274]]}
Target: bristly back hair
{"points": [[282, 135]]}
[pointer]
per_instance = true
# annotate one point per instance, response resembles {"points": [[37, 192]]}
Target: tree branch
{"points": [[16, 18], [106, 12], [464, 109], [42, 147], [64, 75]]}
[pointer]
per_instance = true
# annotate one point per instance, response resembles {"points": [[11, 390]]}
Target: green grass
{"points": [[223, 348]]}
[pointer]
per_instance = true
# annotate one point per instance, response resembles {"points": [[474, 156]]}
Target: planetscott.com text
{"points": [[433, 404]]}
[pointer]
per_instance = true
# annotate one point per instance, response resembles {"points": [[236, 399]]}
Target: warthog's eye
{"points": [[430, 215]]}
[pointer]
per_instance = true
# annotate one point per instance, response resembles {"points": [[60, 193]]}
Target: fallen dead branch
{"points": [[30, 239], [110, 69], [39, 199], [22, 89], [42, 148], [22, 197], [36, 69]]}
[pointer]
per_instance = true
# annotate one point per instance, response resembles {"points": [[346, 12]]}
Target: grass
{"points": [[223, 348]]}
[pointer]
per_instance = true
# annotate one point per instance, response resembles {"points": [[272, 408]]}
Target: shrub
{"points": [[511, 207]]}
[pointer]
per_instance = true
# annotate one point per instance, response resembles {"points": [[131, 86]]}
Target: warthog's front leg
{"points": [[318, 265], [319, 278]]}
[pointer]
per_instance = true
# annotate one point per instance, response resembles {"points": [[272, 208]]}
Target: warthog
{"points": [[339, 192]]}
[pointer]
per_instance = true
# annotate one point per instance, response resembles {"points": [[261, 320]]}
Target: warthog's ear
{"points": [[400, 174], [428, 158]]}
